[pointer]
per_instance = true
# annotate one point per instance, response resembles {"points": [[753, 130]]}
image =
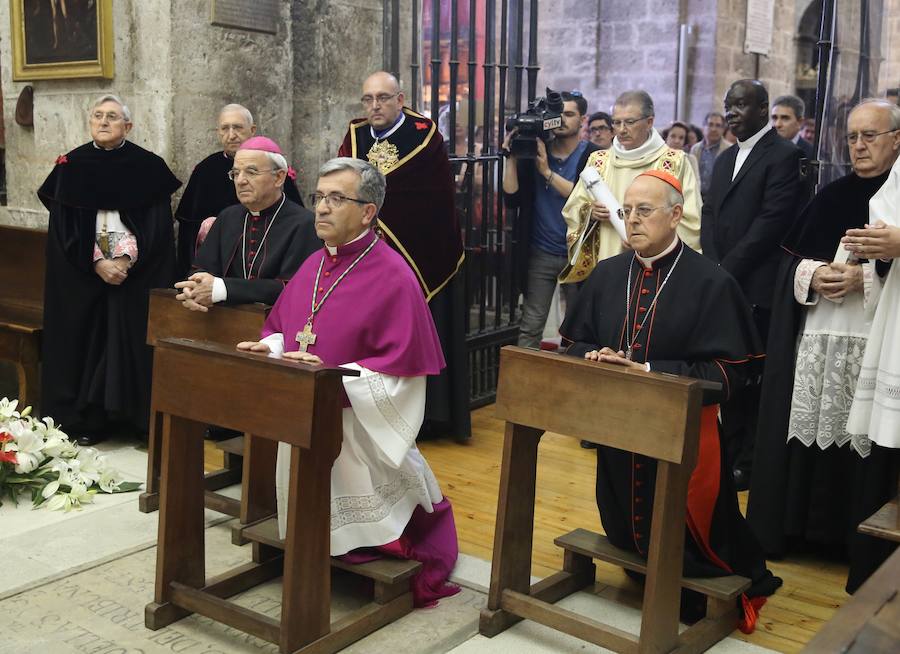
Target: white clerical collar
{"points": [[796, 138], [393, 129], [653, 143], [753, 140], [647, 262], [333, 250], [102, 148]]}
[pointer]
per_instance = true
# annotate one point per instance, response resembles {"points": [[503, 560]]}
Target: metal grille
{"points": [[474, 79]]}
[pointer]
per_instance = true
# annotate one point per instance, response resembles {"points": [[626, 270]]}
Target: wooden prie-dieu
{"points": [[198, 383], [227, 325], [597, 402]]}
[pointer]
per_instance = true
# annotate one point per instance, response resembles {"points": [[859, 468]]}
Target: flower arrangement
{"points": [[36, 457]]}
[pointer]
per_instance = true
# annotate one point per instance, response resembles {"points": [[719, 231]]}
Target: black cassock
{"points": [[257, 255], [96, 364], [419, 220], [208, 191], [700, 327], [805, 497]]}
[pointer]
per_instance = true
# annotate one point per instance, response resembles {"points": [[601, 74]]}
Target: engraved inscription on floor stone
{"points": [[256, 16], [101, 611]]}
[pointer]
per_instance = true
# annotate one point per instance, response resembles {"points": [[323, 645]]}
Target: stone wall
{"points": [[174, 70], [337, 44], [142, 78]]}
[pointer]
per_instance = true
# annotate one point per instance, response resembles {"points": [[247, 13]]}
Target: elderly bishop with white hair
{"points": [[665, 308], [357, 304], [255, 247]]}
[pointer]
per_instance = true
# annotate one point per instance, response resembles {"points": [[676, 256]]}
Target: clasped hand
{"points": [[196, 292], [608, 355], [836, 280], [258, 347], [876, 241], [113, 271]]}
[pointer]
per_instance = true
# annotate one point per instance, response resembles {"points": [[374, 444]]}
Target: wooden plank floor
{"points": [[470, 475]]}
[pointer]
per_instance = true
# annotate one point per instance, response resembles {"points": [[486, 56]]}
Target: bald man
{"points": [[209, 190], [682, 315], [418, 220]]}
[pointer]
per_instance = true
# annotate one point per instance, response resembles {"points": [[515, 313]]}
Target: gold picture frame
{"points": [[55, 39]]}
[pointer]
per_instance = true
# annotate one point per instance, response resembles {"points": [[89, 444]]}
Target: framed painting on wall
{"points": [[61, 39]]}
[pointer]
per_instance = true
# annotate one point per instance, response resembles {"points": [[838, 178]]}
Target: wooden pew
{"points": [[22, 268], [869, 621], [595, 402], [196, 383], [227, 325]]}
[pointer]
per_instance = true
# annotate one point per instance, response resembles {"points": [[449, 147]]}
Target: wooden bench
{"points": [[869, 621], [22, 268], [595, 402], [196, 383], [226, 325]]}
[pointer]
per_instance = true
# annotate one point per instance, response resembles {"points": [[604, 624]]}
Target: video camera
{"points": [[537, 122]]}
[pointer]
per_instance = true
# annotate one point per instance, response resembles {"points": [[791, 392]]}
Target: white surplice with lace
{"points": [[380, 476]]}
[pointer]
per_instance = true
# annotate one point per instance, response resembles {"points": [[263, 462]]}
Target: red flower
{"points": [[61, 159], [421, 126], [5, 437], [8, 457]]}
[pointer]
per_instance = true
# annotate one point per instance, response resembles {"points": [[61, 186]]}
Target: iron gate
{"points": [[475, 79]]}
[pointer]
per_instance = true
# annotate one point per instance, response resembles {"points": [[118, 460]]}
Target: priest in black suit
{"points": [[418, 219], [751, 204], [255, 247], [209, 190], [664, 307], [110, 240]]}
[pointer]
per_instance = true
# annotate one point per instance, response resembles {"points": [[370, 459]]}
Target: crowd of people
{"points": [[704, 253]]}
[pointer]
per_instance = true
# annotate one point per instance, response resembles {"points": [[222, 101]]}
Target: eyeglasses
{"points": [[368, 100], [599, 129], [867, 136], [249, 173], [642, 211], [628, 122], [110, 116], [332, 200]]}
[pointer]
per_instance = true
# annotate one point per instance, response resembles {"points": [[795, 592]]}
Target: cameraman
{"points": [[538, 188]]}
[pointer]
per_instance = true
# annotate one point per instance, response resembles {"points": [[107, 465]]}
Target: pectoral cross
{"points": [[306, 337]]}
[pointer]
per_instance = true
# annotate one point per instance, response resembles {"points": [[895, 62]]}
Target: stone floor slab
{"points": [[100, 611]]}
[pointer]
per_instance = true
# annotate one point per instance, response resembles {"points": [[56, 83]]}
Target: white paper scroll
{"points": [[601, 193]]}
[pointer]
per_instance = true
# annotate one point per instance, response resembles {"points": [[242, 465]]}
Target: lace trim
{"points": [[355, 509], [803, 280], [825, 377], [387, 409]]}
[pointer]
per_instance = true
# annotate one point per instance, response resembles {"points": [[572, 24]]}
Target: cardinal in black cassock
{"points": [[813, 496], [208, 191], [96, 364], [679, 313], [418, 220], [256, 249]]}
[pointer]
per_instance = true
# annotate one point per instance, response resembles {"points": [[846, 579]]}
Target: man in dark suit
{"points": [[751, 204], [787, 119]]}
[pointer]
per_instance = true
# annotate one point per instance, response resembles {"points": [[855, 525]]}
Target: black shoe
{"points": [[89, 439], [741, 479], [587, 445]]}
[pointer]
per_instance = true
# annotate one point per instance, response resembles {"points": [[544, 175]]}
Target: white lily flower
{"points": [[28, 446], [8, 408], [80, 494], [110, 480], [90, 464]]}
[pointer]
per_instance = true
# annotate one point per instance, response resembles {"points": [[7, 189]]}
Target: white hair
{"points": [[109, 97], [237, 108], [278, 161]]}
